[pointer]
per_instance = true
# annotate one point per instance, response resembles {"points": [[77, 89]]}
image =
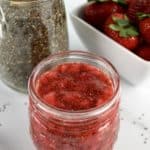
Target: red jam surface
{"points": [[74, 87]]}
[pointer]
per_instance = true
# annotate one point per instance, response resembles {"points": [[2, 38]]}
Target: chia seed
{"points": [[134, 122], [25, 103], [122, 119], [139, 118], [145, 128], [143, 115], [3, 107], [146, 139], [31, 30]]}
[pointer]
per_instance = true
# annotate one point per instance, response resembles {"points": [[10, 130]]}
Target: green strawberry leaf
{"points": [[132, 31], [126, 18], [142, 15], [122, 2], [114, 18], [124, 27], [122, 22], [114, 27], [128, 32], [123, 33]]}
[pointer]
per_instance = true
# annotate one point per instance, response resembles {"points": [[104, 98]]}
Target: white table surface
{"points": [[135, 111]]}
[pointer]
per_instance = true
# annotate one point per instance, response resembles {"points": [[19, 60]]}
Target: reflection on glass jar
{"points": [[30, 30], [74, 103]]}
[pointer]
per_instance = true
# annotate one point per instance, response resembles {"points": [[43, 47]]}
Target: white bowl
{"points": [[130, 66]]}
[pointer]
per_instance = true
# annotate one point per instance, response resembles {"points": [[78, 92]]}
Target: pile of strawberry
{"points": [[125, 21]]}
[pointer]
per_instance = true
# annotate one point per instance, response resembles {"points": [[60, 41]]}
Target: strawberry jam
{"points": [[74, 104]]}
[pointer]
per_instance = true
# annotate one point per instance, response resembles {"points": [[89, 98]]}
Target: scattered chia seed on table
{"points": [[25, 103], [145, 128], [31, 30], [3, 107]]}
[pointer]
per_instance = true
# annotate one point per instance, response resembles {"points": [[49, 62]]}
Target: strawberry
{"points": [[118, 27], [138, 6], [144, 26], [97, 12], [144, 52]]}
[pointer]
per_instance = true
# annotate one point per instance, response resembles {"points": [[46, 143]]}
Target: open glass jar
{"points": [[53, 128], [30, 30]]}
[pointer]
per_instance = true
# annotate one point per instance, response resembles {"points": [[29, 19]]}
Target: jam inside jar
{"points": [[74, 103]]}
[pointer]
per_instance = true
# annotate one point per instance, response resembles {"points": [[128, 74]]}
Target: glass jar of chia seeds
{"points": [[74, 103], [30, 30]]}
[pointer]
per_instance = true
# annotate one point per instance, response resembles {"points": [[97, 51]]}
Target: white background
{"points": [[135, 111]]}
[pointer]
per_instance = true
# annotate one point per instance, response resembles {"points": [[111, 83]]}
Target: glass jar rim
{"points": [[26, 2], [71, 115]]}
